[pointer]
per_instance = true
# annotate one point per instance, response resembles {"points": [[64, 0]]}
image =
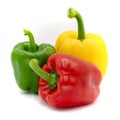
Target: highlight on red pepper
{"points": [[66, 81]]}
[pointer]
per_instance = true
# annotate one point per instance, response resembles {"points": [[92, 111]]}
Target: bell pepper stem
{"points": [[31, 39], [72, 13], [51, 78]]}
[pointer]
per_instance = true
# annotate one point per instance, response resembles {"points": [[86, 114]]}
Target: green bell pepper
{"points": [[21, 54]]}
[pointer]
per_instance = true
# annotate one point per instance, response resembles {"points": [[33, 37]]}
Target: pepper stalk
{"points": [[31, 39], [51, 77], [72, 13]]}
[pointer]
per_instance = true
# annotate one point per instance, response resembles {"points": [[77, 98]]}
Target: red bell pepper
{"points": [[66, 81]]}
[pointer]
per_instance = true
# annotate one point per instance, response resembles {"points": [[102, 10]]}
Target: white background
{"points": [[47, 19]]}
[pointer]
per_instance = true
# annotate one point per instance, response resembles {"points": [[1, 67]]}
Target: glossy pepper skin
{"points": [[90, 47], [21, 54], [66, 81]]}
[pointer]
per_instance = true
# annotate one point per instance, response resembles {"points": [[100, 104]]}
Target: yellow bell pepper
{"points": [[89, 47]]}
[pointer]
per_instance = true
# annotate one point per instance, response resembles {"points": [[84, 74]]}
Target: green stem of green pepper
{"points": [[51, 77], [81, 32], [31, 39]]}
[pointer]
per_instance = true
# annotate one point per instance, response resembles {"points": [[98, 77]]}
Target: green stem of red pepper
{"points": [[31, 39], [72, 13], [51, 77]]}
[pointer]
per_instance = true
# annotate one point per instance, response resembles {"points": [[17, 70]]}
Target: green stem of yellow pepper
{"points": [[81, 32]]}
